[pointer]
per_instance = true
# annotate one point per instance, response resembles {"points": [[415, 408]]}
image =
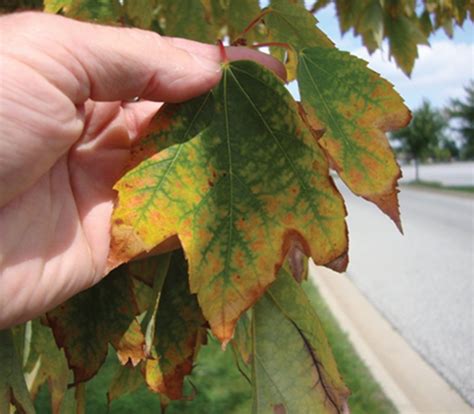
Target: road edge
{"points": [[418, 389]]}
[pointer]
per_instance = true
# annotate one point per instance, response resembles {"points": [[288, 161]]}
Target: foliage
{"points": [[12, 383], [9, 6], [241, 177], [423, 135], [220, 388], [463, 112], [404, 23]]}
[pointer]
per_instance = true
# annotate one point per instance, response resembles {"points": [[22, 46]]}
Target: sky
{"points": [[441, 71]]}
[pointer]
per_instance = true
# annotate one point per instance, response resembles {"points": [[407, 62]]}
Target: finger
{"points": [[103, 63], [138, 116], [233, 53]]}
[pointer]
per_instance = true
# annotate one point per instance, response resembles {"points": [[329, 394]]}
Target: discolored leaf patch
{"points": [[355, 107], [89, 321], [250, 183]]}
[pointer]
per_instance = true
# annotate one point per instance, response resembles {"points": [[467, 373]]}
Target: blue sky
{"points": [[440, 73]]}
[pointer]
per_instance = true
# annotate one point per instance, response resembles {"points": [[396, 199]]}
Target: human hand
{"points": [[66, 127]]}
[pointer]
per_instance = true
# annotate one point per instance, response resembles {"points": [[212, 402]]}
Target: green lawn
{"points": [[219, 387], [438, 186], [367, 397]]}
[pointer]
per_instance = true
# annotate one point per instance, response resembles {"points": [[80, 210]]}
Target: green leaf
{"points": [[239, 14], [355, 107], [290, 23], [126, 380], [426, 25], [55, 6], [239, 194], [140, 12], [188, 19], [149, 322], [179, 332], [149, 269], [404, 36], [348, 12], [12, 382], [143, 295], [89, 321], [294, 370], [370, 25], [148, 277], [47, 364], [107, 11], [242, 340]]}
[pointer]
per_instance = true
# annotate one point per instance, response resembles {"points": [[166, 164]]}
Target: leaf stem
{"points": [[224, 57], [271, 44]]}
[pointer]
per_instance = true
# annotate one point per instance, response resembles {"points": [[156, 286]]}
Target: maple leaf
{"points": [[12, 382], [348, 12], [55, 6], [239, 194], [141, 12], [47, 363], [242, 340], [143, 295], [355, 107], [294, 370], [126, 380], [188, 19], [179, 330], [371, 25], [108, 11], [148, 276], [290, 23], [89, 321], [404, 36], [239, 14], [149, 269]]}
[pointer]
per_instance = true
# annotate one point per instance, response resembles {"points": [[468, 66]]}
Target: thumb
{"points": [[110, 63]]}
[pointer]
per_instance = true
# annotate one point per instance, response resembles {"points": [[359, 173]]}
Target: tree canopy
{"points": [[462, 111], [424, 134], [405, 24]]}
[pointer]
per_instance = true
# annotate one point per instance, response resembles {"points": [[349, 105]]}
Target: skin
{"points": [[67, 122]]}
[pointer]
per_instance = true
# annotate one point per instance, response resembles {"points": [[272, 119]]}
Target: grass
{"points": [[439, 186], [366, 395], [219, 387]]}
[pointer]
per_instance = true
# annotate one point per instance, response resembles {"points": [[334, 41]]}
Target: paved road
{"points": [[422, 282]]}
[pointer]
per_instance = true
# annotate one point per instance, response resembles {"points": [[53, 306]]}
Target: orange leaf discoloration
{"points": [[270, 184]]}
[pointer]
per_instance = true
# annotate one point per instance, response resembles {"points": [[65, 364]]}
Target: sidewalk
{"points": [[412, 385]]}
